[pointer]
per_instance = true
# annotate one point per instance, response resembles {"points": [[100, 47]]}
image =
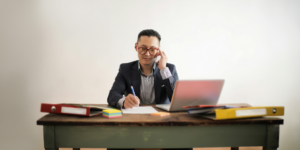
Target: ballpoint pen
{"points": [[133, 93]]}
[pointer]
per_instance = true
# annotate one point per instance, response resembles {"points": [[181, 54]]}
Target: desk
{"points": [[179, 130]]}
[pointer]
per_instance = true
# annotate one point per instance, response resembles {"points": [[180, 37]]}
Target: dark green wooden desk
{"points": [[179, 130]]}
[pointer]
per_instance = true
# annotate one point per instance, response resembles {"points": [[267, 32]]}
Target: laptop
{"points": [[193, 92]]}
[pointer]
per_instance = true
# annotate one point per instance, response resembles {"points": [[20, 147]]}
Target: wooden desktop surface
{"points": [[175, 119]]}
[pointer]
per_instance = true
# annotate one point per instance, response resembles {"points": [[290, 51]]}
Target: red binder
{"points": [[233, 105], [70, 109], [200, 106]]}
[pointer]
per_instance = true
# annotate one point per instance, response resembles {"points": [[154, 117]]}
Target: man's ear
{"points": [[135, 47]]}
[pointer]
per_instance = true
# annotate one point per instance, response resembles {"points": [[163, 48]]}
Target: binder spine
{"points": [[234, 113], [63, 109]]}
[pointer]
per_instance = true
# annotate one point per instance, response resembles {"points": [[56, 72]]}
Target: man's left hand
{"points": [[162, 63]]}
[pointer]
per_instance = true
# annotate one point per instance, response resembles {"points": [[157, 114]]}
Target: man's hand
{"points": [[162, 63], [131, 101]]}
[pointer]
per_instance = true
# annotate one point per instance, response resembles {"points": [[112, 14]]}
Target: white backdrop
{"points": [[70, 51]]}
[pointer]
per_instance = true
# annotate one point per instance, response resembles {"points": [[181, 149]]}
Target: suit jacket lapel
{"points": [[157, 84], [136, 79]]}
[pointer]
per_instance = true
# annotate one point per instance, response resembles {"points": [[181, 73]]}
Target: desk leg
{"points": [[49, 138], [234, 148], [272, 138]]}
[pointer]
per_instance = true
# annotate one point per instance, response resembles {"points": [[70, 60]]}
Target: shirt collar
{"points": [[139, 67]]}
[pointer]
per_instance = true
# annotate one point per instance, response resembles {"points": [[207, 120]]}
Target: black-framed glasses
{"points": [[143, 50]]}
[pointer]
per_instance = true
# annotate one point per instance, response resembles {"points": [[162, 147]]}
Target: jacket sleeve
{"points": [[117, 90], [170, 82]]}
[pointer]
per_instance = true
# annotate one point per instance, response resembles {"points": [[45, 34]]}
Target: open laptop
{"points": [[193, 92]]}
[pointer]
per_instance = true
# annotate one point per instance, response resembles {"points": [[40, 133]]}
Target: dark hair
{"points": [[149, 32]]}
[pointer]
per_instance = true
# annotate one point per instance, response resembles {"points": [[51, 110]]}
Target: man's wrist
{"points": [[162, 68]]}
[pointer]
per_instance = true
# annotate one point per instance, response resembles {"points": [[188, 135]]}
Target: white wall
{"points": [[69, 51]]}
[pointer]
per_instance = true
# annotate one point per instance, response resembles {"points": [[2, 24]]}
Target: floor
{"points": [[219, 148]]}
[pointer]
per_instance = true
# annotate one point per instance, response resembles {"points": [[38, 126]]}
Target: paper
{"points": [[140, 110]]}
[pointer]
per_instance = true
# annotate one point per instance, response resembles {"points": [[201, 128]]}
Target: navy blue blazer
{"points": [[129, 75]]}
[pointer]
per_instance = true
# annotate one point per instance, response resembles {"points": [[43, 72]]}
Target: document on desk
{"points": [[139, 110]]}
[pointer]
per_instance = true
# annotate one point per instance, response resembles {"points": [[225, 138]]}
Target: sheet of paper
{"points": [[140, 110]]}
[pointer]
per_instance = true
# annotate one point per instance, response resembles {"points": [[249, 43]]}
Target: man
{"points": [[153, 82]]}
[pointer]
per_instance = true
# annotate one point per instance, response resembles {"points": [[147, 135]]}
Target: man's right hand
{"points": [[131, 101]]}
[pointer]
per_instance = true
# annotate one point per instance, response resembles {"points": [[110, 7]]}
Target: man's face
{"points": [[148, 42]]}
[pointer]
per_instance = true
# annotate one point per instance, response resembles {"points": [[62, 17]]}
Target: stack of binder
{"points": [[222, 112]]}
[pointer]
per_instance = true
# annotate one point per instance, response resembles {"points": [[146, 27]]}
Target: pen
{"points": [[133, 93]]}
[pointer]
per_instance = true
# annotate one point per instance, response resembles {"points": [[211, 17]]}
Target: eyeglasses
{"points": [[143, 50]]}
